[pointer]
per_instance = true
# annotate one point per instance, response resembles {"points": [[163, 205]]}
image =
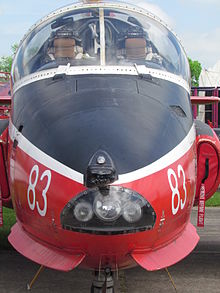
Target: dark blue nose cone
{"points": [[134, 120]]}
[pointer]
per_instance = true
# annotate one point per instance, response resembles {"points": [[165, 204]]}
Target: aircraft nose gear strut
{"points": [[103, 282]]}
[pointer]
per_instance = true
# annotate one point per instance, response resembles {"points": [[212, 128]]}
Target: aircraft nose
{"points": [[133, 132], [134, 121]]}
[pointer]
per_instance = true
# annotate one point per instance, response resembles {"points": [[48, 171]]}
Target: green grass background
{"points": [[214, 201], [9, 220]]}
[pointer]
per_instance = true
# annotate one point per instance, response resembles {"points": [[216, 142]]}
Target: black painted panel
{"points": [[130, 118]]}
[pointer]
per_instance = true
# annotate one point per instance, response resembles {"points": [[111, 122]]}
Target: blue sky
{"points": [[195, 21]]}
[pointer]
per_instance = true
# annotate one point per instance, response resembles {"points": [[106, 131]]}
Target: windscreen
{"points": [[100, 37]]}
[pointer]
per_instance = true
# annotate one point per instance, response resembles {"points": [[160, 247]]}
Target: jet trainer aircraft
{"points": [[101, 156]]}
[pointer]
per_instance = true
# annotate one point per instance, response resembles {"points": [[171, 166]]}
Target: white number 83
{"points": [[175, 189], [31, 189]]}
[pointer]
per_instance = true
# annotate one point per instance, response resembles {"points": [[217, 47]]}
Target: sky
{"points": [[196, 23]]}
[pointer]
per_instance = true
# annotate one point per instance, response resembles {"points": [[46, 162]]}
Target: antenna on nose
{"points": [[101, 170]]}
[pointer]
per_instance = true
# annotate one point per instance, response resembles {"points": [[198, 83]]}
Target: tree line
{"points": [[6, 61]]}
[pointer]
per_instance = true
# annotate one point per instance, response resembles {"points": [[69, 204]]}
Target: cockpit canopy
{"points": [[99, 34]]}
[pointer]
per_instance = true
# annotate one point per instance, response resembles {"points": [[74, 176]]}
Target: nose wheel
{"points": [[103, 282]]}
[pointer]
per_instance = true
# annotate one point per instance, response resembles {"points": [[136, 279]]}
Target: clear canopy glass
{"points": [[103, 36]]}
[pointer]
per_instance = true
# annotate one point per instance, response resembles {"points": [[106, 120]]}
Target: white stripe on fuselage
{"points": [[171, 157]]}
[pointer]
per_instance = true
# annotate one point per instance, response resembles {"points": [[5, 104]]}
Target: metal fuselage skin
{"points": [[144, 123]]}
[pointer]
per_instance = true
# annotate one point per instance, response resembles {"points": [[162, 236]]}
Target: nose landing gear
{"points": [[103, 282]]}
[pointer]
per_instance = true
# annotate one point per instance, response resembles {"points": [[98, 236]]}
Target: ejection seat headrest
{"points": [[64, 48], [135, 48]]}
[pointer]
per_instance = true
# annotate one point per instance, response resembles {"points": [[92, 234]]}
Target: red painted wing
{"points": [[45, 255], [170, 254]]}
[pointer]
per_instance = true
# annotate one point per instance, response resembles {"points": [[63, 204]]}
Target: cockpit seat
{"points": [[135, 48], [64, 48]]}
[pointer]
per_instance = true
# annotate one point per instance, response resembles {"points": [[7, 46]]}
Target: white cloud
{"points": [[15, 30], [200, 3], [155, 9], [203, 47]]}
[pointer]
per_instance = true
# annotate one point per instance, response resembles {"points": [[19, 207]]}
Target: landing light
{"points": [[83, 211], [132, 212], [108, 210]]}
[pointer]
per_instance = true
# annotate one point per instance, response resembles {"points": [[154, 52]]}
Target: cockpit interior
{"points": [[100, 36]]}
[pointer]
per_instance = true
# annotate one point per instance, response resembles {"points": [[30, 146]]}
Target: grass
{"points": [[9, 220], [214, 201]]}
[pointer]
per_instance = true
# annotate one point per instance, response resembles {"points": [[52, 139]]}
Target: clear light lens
{"points": [[111, 210], [132, 212], [106, 208], [83, 211]]}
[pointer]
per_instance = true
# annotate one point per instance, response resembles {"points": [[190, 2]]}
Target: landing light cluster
{"points": [[110, 207], [108, 210]]}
